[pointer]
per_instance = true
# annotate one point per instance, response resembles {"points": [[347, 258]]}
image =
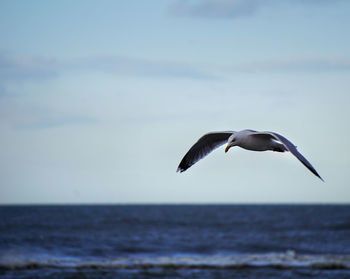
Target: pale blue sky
{"points": [[100, 100]]}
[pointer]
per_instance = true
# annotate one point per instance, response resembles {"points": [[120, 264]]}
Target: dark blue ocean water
{"points": [[175, 241]]}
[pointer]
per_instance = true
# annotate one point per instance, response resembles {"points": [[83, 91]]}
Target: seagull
{"points": [[247, 139]]}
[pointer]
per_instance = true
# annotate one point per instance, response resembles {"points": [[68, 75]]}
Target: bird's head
{"points": [[230, 142]]}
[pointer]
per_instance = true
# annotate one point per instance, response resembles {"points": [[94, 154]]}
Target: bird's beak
{"points": [[227, 148]]}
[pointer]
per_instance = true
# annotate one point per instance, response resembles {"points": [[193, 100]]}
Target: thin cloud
{"points": [[14, 67], [299, 64], [215, 8], [139, 67], [231, 9], [35, 118], [54, 122]]}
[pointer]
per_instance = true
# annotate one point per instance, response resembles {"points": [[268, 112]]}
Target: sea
{"points": [[175, 241]]}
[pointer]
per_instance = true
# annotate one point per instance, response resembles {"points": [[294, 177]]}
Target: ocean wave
{"points": [[287, 260]]}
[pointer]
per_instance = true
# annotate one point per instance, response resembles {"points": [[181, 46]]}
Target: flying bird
{"points": [[247, 139]]}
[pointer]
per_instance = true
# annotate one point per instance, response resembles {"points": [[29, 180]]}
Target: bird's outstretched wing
{"points": [[203, 147], [293, 149]]}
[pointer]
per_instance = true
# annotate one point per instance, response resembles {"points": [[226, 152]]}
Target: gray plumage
{"points": [[247, 139]]}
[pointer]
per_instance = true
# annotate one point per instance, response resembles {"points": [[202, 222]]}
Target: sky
{"points": [[100, 100]]}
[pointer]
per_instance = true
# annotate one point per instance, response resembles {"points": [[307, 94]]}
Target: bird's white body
{"points": [[247, 139]]}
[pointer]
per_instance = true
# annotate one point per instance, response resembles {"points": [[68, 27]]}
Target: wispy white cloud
{"points": [[38, 117], [139, 67], [230, 8], [215, 8], [53, 121], [26, 67], [14, 67], [297, 64]]}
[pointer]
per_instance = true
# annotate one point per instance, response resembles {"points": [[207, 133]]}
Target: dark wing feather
{"points": [[203, 147], [292, 148]]}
